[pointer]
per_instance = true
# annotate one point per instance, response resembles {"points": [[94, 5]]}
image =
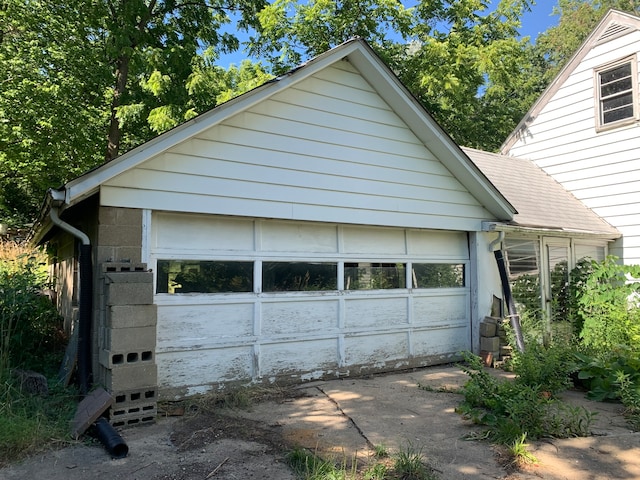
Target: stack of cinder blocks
{"points": [[489, 340], [126, 340], [494, 345]]}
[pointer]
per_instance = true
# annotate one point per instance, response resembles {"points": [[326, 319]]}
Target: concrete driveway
{"points": [[344, 419]]}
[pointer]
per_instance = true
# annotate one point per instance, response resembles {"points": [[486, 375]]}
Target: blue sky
{"points": [[534, 22], [538, 19]]}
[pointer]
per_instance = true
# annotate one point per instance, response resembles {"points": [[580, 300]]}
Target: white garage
{"points": [[320, 225]]}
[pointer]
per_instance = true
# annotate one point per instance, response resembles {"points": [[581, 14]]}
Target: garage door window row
{"points": [[205, 276]]}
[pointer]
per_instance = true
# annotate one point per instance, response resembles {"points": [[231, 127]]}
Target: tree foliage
{"points": [[85, 80], [577, 19]]}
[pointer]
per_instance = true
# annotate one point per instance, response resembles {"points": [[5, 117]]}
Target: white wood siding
{"points": [[204, 340], [328, 149], [600, 168]]}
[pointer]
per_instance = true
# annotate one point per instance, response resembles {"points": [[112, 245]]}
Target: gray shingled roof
{"points": [[541, 201]]}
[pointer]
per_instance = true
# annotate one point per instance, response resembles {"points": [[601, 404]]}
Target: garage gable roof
{"points": [[373, 69]]}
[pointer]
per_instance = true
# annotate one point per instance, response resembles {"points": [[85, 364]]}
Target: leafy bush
{"points": [[603, 311], [30, 327], [511, 409], [548, 368]]}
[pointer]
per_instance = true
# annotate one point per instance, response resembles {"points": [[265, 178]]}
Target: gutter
{"points": [[102, 429]]}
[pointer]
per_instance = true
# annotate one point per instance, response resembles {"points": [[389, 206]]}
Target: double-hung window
{"points": [[617, 93]]}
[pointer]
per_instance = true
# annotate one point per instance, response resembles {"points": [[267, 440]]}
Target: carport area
{"points": [[343, 419]]}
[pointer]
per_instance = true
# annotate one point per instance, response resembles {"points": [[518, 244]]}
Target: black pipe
{"points": [[110, 438], [514, 318], [84, 319]]}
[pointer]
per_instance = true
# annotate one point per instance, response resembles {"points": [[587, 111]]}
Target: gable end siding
{"points": [[327, 149]]}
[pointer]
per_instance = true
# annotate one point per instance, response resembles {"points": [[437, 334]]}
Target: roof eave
{"points": [[549, 231]]}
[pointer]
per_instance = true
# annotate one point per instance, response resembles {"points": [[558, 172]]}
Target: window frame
{"points": [[599, 99]]}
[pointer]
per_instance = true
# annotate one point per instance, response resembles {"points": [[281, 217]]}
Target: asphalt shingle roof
{"points": [[540, 200]]}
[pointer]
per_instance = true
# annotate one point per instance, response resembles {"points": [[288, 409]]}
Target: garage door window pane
{"points": [[374, 276], [438, 275], [299, 276], [188, 276]]}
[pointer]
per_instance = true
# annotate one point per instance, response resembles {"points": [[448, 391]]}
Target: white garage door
{"points": [[247, 300]]}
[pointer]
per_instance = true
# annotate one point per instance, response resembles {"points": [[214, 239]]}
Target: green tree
{"points": [[461, 58], [577, 20], [51, 115], [470, 69], [85, 80]]}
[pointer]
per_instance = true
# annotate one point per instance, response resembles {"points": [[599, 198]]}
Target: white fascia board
{"points": [[88, 184]]}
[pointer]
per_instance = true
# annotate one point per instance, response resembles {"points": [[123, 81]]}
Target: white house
{"points": [[584, 130], [318, 226]]}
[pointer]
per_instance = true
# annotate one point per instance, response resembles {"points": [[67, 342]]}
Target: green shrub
{"points": [[599, 375], [602, 311], [30, 327], [546, 368], [511, 409]]}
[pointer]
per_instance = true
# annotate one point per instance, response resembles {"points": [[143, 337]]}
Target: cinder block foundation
{"points": [[126, 337]]}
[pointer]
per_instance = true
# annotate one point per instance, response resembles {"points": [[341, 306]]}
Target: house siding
{"points": [[599, 168], [327, 149]]}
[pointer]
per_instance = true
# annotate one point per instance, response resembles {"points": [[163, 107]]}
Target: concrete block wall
{"points": [[126, 337]]}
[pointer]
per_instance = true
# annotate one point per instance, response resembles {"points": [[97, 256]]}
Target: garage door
{"points": [[250, 300]]}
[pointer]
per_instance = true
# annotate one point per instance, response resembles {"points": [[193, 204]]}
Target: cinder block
{"points": [[126, 276], [131, 316], [129, 293], [115, 235], [132, 420], [140, 376], [147, 395], [487, 329], [131, 339], [490, 344], [119, 216], [494, 320], [110, 359]]}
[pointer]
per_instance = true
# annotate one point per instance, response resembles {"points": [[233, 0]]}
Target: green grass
{"points": [[32, 424]]}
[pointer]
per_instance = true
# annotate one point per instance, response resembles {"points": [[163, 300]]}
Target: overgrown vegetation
{"points": [[30, 339], [408, 463], [594, 344]]}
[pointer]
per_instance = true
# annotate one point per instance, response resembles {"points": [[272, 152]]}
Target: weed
{"points": [[630, 397], [519, 454], [380, 451], [510, 409], [378, 471], [409, 464], [310, 466]]}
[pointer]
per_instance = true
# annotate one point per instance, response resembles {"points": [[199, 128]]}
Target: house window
{"points": [[299, 276], [437, 275], [374, 276], [617, 91], [199, 276]]}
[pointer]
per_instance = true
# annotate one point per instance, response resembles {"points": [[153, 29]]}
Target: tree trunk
{"points": [[122, 73]]}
